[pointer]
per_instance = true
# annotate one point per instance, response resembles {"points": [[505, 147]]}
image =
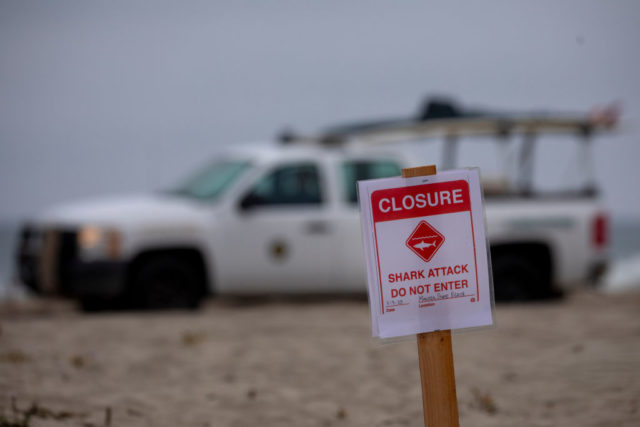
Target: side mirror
{"points": [[250, 201]]}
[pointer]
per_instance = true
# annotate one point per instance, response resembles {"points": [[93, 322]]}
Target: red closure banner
{"points": [[420, 200]]}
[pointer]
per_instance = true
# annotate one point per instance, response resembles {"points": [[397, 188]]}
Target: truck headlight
{"points": [[99, 243]]}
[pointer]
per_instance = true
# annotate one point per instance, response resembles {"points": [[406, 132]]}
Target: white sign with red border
{"points": [[426, 253]]}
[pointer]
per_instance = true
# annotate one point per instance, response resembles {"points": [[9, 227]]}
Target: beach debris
{"points": [[107, 416], [78, 361], [484, 401], [342, 413], [252, 393], [22, 417], [14, 356], [192, 338]]}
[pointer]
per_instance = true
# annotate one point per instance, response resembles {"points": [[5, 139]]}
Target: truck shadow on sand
{"points": [[254, 300]]}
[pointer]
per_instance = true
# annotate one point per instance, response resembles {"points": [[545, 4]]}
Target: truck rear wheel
{"points": [[521, 275], [95, 304], [166, 282], [514, 279]]}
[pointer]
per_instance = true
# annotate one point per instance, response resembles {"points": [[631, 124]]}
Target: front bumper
{"points": [[52, 266]]}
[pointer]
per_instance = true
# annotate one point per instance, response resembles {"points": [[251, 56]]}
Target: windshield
{"points": [[212, 181]]}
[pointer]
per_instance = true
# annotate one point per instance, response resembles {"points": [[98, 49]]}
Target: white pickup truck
{"points": [[284, 219]]}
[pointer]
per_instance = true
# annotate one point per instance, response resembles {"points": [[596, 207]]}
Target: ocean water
{"points": [[624, 272], [625, 236]]}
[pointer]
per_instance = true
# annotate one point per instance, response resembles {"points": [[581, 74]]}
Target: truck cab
{"points": [[257, 220]]}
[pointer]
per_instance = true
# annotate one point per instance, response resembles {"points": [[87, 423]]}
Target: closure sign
{"points": [[426, 253]]}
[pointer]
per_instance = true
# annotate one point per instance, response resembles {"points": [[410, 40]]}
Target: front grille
{"points": [[27, 257], [45, 257]]}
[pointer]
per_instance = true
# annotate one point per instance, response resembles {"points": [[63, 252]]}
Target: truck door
{"points": [[281, 239]]}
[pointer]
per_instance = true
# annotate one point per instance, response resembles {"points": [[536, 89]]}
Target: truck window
{"points": [[287, 185], [558, 167], [211, 182], [355, 170]]}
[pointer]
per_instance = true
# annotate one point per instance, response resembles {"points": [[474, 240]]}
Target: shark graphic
{"points": [[422, 245], [425, 241]]}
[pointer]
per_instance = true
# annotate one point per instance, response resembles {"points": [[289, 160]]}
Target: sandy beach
{"points": [[574, 362]]}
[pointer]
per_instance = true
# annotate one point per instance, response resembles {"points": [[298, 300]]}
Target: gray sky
{"points": [[121, 96]]}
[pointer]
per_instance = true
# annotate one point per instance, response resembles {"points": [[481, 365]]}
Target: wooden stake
{"points": [[419, 171], [435, 357]]}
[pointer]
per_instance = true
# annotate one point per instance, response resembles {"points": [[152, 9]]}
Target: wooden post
{"points": [[435, 357]]}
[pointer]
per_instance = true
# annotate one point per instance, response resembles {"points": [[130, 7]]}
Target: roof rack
{"points": [[443, 119]]}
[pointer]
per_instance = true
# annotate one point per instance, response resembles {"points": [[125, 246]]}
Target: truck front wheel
{"points": [[166, 282]]}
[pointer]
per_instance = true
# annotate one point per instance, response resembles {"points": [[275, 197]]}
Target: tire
{"points": [[517, 278], [94, 305], [166, 282]]}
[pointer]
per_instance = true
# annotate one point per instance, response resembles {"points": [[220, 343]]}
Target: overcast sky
{"points": [[102, 97]]}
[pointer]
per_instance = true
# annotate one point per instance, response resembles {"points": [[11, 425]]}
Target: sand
{"points": [[574, 362]]}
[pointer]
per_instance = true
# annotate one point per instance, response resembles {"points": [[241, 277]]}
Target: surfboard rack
{"points": [[442, 118]]}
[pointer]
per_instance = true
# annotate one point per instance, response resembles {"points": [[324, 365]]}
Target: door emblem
{"points": [[279, 250]]}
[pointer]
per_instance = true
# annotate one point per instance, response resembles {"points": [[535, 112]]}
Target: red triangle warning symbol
{"points": [[425, 241]]}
